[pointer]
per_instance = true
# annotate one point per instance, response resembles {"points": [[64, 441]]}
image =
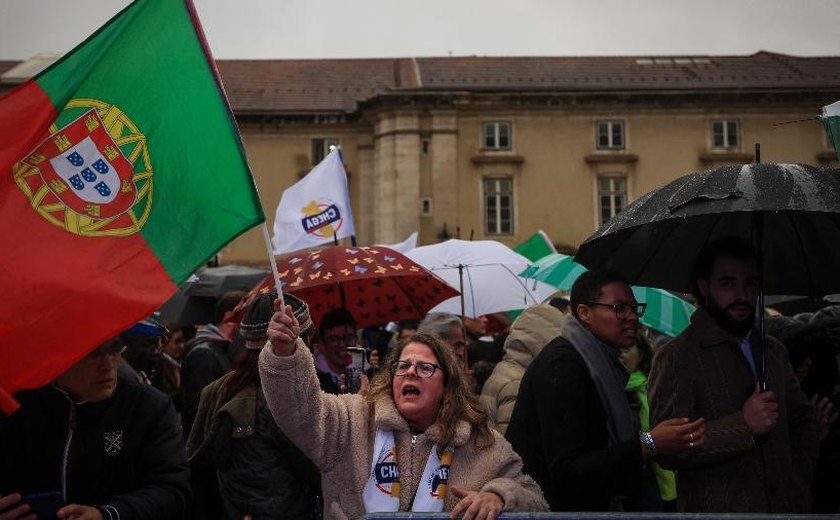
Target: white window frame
{"points": [[726, 134], [326, 144], [497, 196], [494, 128], [609, 125], [614, 195]]}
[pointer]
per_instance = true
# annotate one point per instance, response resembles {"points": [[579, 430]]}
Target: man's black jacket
{"points": [[559, 428], [124, 455]]}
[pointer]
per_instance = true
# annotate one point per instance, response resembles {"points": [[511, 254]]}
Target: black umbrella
{"points": [[790, 212], [195, 301], [188, 310], [794, 208], [213, 282]]}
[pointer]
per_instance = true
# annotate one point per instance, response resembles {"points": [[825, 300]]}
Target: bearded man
{"points": [[760, 447]]}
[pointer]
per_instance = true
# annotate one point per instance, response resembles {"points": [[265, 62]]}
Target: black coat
{"points": [[125, 453], [559, 428], [206, 361]]}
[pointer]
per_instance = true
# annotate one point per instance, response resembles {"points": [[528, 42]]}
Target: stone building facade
{"points": [[498, 148]]}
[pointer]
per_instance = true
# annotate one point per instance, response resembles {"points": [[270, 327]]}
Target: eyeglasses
{"points": [[112, 351], [347, 339], [421, 368], [623, 310]]}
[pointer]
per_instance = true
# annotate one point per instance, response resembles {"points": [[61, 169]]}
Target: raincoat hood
{"points": [[533, 330]]}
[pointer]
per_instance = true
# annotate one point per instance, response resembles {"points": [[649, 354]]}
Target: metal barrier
{"points": [[602, 516]]}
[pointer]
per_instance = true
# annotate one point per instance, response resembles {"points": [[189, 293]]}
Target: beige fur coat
{"points": [[337, 432]]}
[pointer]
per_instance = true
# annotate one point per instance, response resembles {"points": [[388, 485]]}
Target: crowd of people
{"points": [[571, 406]]}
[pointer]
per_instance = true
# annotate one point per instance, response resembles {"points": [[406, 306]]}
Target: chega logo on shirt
{"points": [[387, 474], [440, 479]]}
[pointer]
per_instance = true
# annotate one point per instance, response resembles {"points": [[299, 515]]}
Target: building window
{"points": [[425, 207], [498, 206], [725, 134], [425, 144], [610, 135], [612, 196], [321, 147], [497, 135]]}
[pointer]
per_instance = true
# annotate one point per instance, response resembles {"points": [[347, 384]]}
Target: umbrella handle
{"points": [[762, 333]]}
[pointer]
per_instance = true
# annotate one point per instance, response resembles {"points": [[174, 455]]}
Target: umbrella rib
{"points": [[519, 280], [472, 293]]}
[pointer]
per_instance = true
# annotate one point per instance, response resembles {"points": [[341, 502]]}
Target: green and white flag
{"points": [[831, 122], [536, 246]]}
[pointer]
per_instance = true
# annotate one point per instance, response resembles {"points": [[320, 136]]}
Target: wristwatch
{"points": [[647, 439]]}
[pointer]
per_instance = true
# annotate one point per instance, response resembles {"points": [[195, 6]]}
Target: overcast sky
{"points": [[387, 28]]}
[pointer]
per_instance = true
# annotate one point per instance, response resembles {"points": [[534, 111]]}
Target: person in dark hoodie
{"points": [[207, 356], [111, 446]]}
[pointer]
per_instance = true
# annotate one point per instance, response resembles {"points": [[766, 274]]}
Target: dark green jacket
{"points": [[258, 470]]}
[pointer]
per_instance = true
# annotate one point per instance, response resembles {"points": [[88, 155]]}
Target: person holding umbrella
{"points": [[760, 447]]}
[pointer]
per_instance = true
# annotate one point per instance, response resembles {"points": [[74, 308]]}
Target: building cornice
{"points": [[611, 158], [497, 159], [729, 157]]}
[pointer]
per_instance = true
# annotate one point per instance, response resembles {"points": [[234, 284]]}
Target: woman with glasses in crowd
{"points": [[418, 441]]}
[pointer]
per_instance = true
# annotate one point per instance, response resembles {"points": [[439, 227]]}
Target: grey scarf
{"points": [[610, 378]]}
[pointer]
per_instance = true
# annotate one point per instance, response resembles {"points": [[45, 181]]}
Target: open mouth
{"points": [[410, 390]]}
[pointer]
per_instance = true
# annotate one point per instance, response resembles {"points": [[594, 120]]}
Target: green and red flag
{"points": [[121, 172]]}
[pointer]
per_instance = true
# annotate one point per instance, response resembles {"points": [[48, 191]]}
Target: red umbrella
{"points": [[376, 284]]}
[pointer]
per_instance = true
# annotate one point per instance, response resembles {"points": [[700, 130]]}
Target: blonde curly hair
{"points": [[458, 403]]}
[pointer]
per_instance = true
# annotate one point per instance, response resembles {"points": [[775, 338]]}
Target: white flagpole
{"points": [[273, 262]]}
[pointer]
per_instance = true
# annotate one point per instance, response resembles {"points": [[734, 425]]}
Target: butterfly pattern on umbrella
{"points": [[375, 284]]}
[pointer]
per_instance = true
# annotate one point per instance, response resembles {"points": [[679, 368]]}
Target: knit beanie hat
{"points": [[254, 325], [151, 326]]}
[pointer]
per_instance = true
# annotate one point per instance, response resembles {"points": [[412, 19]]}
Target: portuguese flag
{"points": [[121, 172]]}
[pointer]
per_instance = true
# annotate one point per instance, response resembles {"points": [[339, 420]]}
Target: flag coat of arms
{"points": [[316, 209], [121, 172]]}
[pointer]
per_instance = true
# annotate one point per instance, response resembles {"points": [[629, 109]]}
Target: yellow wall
{"points": [[554, 184]]}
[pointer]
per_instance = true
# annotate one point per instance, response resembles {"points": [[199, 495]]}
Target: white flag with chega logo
{"points": [[315, 209]]}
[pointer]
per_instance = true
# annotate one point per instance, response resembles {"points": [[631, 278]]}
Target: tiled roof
{"points": [[6, 66], [338, 85], [21, 71], [310, 85], [762, 70]]}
